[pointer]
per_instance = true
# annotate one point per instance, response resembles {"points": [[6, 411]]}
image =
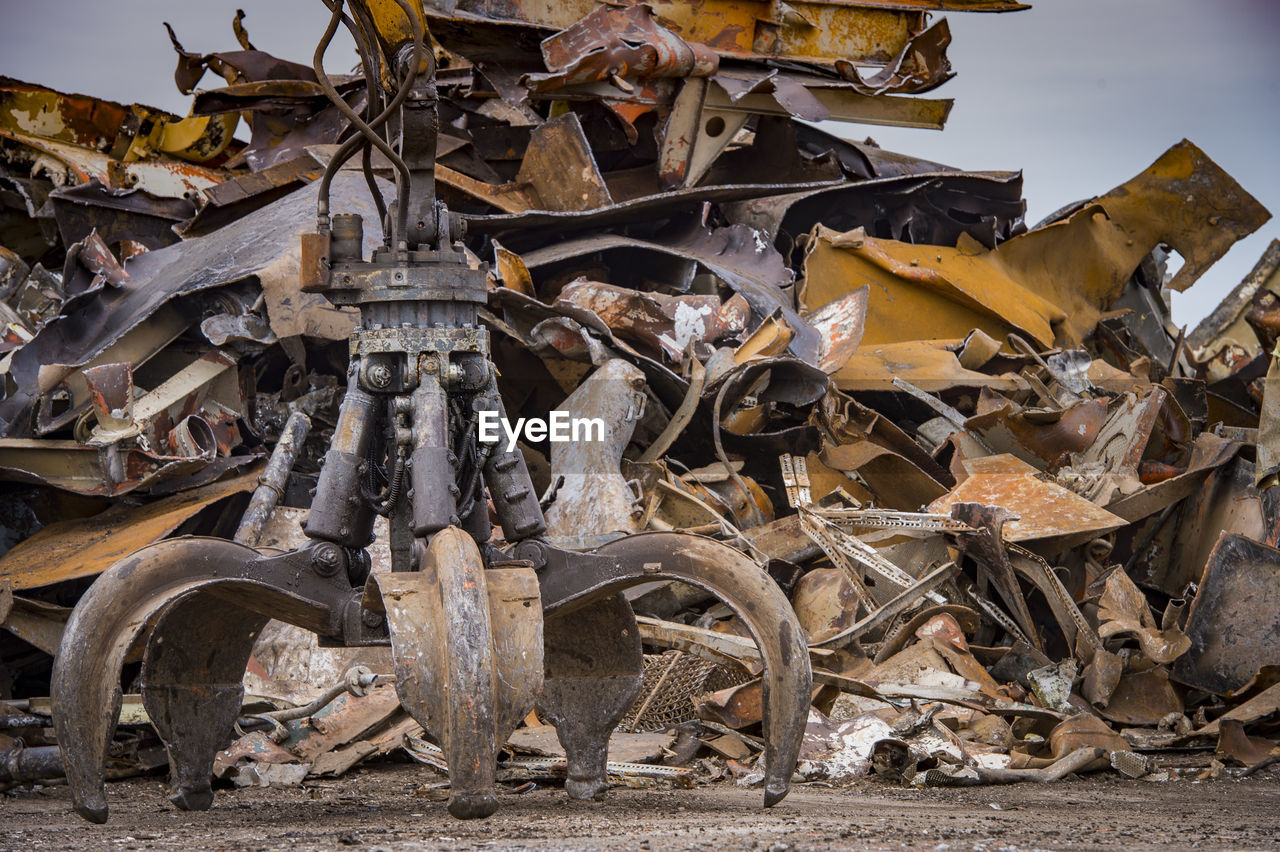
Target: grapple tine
{"points": [[587, 694], [193, 686], [463, 680], [106, 622], [571, 581], [515, 616]]}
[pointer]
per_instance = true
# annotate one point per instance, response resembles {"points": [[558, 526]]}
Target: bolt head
{"points": [[326, 558], [379, 375]]}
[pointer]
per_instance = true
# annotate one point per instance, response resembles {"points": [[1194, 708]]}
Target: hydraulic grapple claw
{"points": [[205, 600], [466, 637], [595, 669], [467, 646], [573, 582], [192, 686], [106, 622]]}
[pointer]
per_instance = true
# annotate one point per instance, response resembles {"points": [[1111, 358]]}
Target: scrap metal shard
{"points": [[818, 31], [1234, 621], [1054, 282], [1043, 512], [262, 245], [71, 549], [924, 292]]}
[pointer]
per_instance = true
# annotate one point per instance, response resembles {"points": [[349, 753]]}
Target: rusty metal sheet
{"points": [[1226, 501], [896, 482], [66, 550], [533, 225], [297, 95], [1234, 621], [35, 622], [923, 201], [735, 254], [656, 321], [1268, 441], [840, 325], [341, 721], [1188, 202], [76, 119], [694, 136], [248, 65], [192, 413], [1110, 466], [1235, 744], [117, 215], [238, 196], [1208, 453], [82, 469], [814, 31], [925, 292], [592, 496], [1054, 282], [816, 98], [921, 66], [120, 132], [619, 42], [1225, 326], [1260, 706], [263, 244], [66, 384], [1143, 698], [1046, 512], [1041, 437], [1083, 262], [166, 179], [930, 365], [1123, 610], [825, 602], [560, 169]]}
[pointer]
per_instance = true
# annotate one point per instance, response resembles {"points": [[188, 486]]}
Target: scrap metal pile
{"points": [[1028, 526]]}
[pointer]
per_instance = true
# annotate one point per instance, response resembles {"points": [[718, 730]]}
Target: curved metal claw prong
{"points": [[193, 686], [207, 608], [467, 646], [86, 691], [595, 669], [571, 581]]}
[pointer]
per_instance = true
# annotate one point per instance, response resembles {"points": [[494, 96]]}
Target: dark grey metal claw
{"points": [[192, 686], [467, 644], [574, 582], [594, 671], [191, 680]]}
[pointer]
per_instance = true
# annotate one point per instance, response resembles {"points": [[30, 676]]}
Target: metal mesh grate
{"points": [[673, 684]]}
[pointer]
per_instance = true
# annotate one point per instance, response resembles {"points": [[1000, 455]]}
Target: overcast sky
{"points": [[1079, 94]]}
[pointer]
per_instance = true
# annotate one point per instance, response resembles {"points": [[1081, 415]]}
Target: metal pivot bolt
{"points": [[326, 558], [379, 374]]}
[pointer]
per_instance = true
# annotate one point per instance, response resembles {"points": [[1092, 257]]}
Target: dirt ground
{"points": [[394, 807]]}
